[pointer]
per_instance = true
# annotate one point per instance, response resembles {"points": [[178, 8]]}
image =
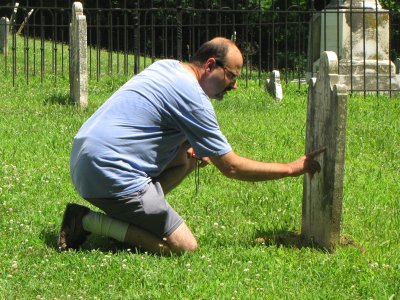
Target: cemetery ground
{"points": [[241, 227]]}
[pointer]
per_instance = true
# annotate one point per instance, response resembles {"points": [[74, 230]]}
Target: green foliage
{"points": [[390, 4]]}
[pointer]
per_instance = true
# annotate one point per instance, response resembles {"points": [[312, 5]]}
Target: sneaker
{"points": [[72, 235]]}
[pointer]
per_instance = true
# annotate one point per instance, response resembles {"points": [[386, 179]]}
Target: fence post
{"points": [[4, 29], [78, 56]]}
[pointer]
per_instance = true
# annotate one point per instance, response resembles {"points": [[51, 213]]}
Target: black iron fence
{"points": [[125, 38]]}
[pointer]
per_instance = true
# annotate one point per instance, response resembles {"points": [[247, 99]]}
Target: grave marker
{"points": [[25, 21], [78, 56], [358, 31], [4, 29], [13, 15], [274, 86], [326, 126]]}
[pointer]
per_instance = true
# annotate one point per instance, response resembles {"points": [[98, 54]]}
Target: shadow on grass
{"points": [[292, 239], [288, 239], [58, 98], [103, 244], [282, 238]]}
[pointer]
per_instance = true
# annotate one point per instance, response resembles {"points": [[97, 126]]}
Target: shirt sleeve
{"points": [[202, 130]]}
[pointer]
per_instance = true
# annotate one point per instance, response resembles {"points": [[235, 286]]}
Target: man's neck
{"points": [[194, 70]]}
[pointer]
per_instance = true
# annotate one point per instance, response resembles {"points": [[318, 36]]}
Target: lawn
{"points": [[37, 124]]}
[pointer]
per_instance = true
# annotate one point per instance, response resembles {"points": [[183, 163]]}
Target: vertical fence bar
{"points": [[179, 32], [364, 51], [377, 47], [118, 41], [26, 52], [14, 53], [91, 42], [207, 21], [274, 14], [136, 38], [62, 42], [98, 41], [390, 65], [153, 36], [193, 37], [351, 48], [110, 41], [286, 43], [54, 30], [248, 49], [126, 63], [42, 44], [165, 33], [390, 51], [259, 43], [5, 43], [298, 45]]}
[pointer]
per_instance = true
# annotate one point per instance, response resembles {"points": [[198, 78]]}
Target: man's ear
{"points": [[210, 64]]}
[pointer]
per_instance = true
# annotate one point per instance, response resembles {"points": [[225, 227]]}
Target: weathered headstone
{"points": [[274, 86], [13, 15], [358, 32], [25, 21], [326, 127], [4, 26], [78, 56]]}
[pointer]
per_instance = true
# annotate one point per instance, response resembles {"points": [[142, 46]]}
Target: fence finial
{"points": [[233, 37]]}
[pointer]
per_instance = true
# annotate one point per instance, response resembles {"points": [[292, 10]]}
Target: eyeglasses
{"points": [[229, 74]]}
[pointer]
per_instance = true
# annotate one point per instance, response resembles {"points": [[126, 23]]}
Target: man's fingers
{"points": [[204, 161], [316, 152], [314, 166]]}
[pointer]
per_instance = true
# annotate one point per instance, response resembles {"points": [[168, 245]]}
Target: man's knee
{"points": [[182, 240], [189, 246]]}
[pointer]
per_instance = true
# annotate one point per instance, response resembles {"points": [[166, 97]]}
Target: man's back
{"points": [[139, 130]]}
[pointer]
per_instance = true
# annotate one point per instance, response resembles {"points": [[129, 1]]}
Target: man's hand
{"points": [[204, 160], [306, 163]]}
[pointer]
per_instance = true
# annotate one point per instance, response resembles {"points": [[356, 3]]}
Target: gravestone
{"points": [[4, 29], [274, 86], [358, 32], [13, 15], [25, 21], [78, 56], [326, 127]]}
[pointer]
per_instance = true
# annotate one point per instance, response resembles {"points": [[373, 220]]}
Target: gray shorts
{"points": [[146, 209]]}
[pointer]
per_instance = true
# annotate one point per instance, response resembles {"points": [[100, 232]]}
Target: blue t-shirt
{"points": [[133, 136]]}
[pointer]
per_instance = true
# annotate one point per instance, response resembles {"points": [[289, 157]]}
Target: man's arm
{"points": [[241, 168]]}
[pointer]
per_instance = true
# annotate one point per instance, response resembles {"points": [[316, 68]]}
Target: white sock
{"points": [[102, 224]]}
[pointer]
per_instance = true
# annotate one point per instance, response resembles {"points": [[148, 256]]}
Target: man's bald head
{"points": [[217, 48]]}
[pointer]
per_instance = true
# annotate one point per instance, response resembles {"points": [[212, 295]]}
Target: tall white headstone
{"points": [[4, 29], [78, 56], [274, 86]]}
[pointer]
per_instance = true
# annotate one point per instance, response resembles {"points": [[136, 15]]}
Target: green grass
{"points": [[37, 125]]}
